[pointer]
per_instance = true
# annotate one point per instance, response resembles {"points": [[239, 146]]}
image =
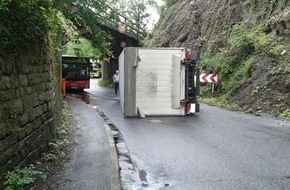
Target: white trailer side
{"points": [[152, 81]]}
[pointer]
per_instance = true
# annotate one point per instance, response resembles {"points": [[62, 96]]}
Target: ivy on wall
{"points": [[23, 22]]}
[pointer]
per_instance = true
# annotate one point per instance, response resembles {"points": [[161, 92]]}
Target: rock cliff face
{"points": [[245, 41]]}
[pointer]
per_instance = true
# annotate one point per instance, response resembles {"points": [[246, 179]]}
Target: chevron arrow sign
{"points": [[208, 78]]}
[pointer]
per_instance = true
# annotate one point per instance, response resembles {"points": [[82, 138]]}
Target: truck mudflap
{"points": [[191, 108], [194, 108]]}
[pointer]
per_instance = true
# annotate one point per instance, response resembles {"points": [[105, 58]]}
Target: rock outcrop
{"points": [[206, 26]]}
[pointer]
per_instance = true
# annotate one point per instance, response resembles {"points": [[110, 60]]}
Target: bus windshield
{"points": [[74, 68]]}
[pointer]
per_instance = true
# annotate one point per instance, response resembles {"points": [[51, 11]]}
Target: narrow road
{"points": [[89, 167], [215, 149]]}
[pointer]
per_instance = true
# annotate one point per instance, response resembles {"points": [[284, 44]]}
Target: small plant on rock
{"points": [[248, 109], [19, 178], [49, 157], [65, 115], [286, 113], [59, 144], [277, 49], [223, 101]]}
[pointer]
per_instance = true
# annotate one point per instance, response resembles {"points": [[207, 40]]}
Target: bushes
{"points": [[277, 50], [234, 62], [19, 178], [239, 77], [57, 146], [286, 113], [24, 22], [240, 42], [105, 83]]}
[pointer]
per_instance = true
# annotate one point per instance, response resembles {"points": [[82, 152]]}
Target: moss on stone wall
{"points": [[22, 22], [30, 102]]}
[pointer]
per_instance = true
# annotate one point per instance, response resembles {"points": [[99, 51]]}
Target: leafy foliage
{"points": [[286, 113], [82, 21], [167, 4], [65, 115], [239, 37], [222, 101], [49, 157], [105, 83], [234, 63], [58, 145], [239, 77], [260, 39], [245, 42], [24, 22], [134, 10], [19, 178], [27, 22], [276, 50], [82, 48]]}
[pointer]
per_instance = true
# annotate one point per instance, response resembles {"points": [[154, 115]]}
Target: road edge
{"points": [[114, 161], [115, 179]]}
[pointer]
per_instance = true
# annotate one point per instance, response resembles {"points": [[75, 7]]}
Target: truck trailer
{"points": [[158, 82]]}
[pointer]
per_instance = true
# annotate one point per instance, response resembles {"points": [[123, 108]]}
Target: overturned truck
{"points": [[158, 82]]}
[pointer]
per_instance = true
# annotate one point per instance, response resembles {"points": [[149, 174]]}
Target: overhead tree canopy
{"points": [[135, 10], [78, 17], [33, 20], [26, 22]]}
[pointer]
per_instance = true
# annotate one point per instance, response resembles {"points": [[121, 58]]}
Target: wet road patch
{"points": [[131, 177]]}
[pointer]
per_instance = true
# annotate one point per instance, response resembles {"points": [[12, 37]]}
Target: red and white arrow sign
{"points": [[211, 78]]}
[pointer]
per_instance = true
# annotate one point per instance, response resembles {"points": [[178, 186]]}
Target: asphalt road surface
{"points": [[89, 167], [214, 149]]}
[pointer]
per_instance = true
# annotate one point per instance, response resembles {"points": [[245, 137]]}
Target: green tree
{"points": [[134, 10], [27, 22], [169, 3], [81, 47], [82, 15]]}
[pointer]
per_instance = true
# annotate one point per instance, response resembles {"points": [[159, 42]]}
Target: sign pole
{"points": [[212, 89]]}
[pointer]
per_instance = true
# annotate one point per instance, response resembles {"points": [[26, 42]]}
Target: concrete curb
{"points": [[115, 179]]}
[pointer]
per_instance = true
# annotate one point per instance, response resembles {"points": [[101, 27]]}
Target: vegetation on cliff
{"points": [[246, 42]]}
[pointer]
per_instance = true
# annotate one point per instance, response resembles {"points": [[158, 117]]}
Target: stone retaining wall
{"points": [[29, 95]]}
